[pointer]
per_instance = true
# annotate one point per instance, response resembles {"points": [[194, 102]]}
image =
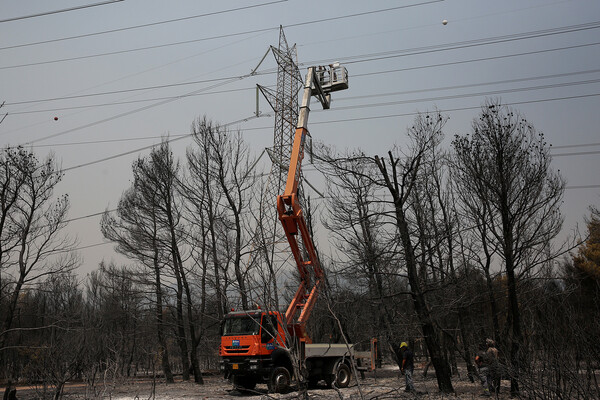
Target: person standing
{"points": [[493, 366], [487, 362], [408, 366]]}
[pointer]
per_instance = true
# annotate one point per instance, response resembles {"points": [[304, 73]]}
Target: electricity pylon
{"points": [[269, 239]]}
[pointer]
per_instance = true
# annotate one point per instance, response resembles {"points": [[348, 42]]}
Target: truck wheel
{"points": [[342, 376], [280, 380], [244, 382]]}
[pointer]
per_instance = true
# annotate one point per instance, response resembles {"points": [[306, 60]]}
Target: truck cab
{"points": [[253, 346]]}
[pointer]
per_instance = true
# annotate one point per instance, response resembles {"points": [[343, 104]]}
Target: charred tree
{"points": [[506, 165]]}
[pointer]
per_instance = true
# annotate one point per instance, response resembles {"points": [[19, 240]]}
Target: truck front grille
{"points": [[237, 350]]}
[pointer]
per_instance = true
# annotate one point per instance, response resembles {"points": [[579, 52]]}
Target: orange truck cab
{"points": [[252, 347]]}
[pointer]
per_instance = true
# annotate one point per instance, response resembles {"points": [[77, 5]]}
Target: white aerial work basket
{"points": [[333, 77]]}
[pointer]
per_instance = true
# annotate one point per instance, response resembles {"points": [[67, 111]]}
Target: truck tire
{"points": [[244, 382], [279, 381], [341, 378]]}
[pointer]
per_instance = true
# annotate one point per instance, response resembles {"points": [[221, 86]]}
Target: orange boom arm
{"points": [[318, 83]]}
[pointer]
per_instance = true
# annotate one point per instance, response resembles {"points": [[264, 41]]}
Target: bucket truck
{"points": [[260, 346]]}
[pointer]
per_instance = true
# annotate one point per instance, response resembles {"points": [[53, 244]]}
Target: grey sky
{"points": [[398, 62]]}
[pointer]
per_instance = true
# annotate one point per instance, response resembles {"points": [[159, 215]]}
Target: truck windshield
{"points": [[241, 326]]}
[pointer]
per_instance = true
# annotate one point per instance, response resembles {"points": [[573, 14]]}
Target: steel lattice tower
{"points": [[284, 102]]}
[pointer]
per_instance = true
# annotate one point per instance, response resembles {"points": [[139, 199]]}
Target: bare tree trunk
{"points": [[430, 333], [195, 340], [11, 310], [163, 350], [181, 337], [516, 337]]}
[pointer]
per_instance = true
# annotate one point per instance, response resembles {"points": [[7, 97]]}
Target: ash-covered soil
{"points": [[386, 383]]}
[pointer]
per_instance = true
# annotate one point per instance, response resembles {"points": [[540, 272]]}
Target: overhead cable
{"points": [[374, 56], [60, 11], [145, 25], [210, 38], [378, 95], [469, 43], [132, 111], [111, 53], [447, 110], [468, 85], [477, 94], [157, 144], [526, 53], [272, 71], [179, 137], [138, 89]]}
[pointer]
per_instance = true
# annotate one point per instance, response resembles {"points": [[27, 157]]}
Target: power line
{"points": [[244, 120], [270, 71], [149, 24], [154, 145], [117, 80], [581, 153], [134, 111], [458, 96], [375, 56], [358, 119], [247, 129], [143, 108], [447, 110], [360, 14], [108, 141], [468, 85], [526, 53], [111, 53], [492, 39], [570, 187], [213, 37], [88, 216], [539, 77], [138, 89], [79, 248], [473, 43], [123, 154], [60, 11], [583, 187], [345, 120], [115, 103], [581, 26], [576, 145]]}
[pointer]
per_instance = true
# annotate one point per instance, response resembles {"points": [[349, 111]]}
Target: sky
{"points": [[98, 82]]}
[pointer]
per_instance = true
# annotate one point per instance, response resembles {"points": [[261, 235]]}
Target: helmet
{"points": [[403, 344]]}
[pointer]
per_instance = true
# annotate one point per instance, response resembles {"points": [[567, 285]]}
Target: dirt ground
{"points": [[386, 383]]}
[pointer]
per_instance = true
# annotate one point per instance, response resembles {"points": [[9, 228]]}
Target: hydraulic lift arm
{"points": [[318, 83]]}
